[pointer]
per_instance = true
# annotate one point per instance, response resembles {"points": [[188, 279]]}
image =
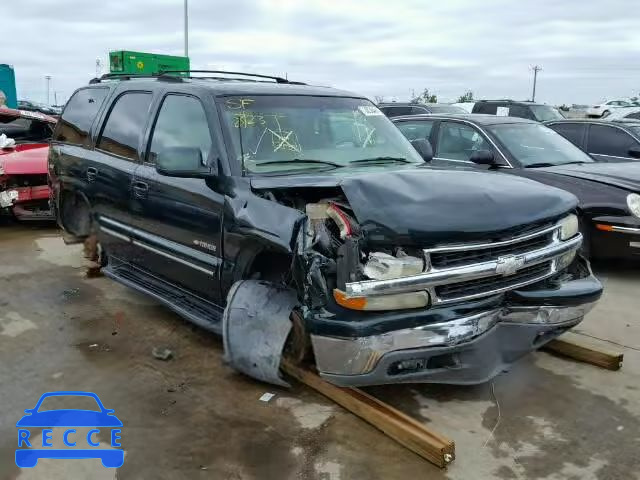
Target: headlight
{"points": [[382, 266], [568, 227], [633, 202]]}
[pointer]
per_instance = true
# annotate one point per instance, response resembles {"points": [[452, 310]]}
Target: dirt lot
{"points": [[193, 417]]}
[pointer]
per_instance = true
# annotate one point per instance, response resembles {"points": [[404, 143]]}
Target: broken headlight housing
{"points": [[382, 266]]}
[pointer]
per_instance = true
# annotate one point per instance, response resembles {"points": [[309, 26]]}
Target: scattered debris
{"points": [[93, 345], [161, 353], [267, 396]]}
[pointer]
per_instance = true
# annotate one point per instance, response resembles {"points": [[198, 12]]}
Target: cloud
{"points": [[375, 47]]}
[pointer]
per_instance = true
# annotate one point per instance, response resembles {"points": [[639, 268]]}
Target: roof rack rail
{"points": [[129, 76], [244, 74]]}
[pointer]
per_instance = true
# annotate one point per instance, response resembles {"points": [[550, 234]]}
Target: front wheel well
{"points": [[271, 266]]}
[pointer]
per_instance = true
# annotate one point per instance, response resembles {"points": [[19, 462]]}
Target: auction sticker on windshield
{"points": [[370, 110], [43, 427]]}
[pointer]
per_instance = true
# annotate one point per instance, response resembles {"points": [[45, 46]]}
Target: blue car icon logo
{"points": [[100, 421]]}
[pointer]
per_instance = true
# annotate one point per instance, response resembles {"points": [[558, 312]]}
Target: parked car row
{"points": [[297, 220]]}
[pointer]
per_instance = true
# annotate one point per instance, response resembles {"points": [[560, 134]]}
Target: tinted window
{"points": [[125, 123], [446, 109], [544, 113], [419, 110], [520, 111], [457, 141], [397, 111], [571, 131], [181, 123], [612, 141], [415, 130], [633, 115], [481, 107], [77, 118]]}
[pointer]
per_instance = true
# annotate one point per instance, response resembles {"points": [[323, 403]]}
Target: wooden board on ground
{"points": [[407, 431], [580, 348]]}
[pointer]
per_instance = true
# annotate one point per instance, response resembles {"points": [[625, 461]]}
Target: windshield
{"points": [[446, 109], [544, 113], [293, 132], [532, 144]]}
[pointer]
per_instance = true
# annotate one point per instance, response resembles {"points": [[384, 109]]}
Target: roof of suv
{"points": [[512, 102], [236, 87], [477, 118], [621, 122]]}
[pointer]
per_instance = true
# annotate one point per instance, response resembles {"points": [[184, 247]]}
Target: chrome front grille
{"points": [[448, 259], [498, 283], [457, 273]]}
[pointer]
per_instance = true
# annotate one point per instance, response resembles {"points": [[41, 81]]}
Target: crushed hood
{"points": [[426, 207], [623, 175], [26, 159]]}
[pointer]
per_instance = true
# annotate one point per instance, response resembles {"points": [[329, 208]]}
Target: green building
{"points": [[8, 85]]}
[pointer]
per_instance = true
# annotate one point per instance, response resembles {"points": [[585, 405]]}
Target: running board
{"points": [[192, 308]]}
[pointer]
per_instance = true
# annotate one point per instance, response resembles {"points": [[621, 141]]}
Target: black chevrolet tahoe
{"points": [[299, 223]]}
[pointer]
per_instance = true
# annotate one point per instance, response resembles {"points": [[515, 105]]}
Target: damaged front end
{"points": [[24, 148], [378, 312]]}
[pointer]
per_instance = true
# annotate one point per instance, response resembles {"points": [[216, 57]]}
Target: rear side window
{"points": [[612, 141], [521, 111], [181, 123], [488, 108], [397, 111], [415, 130], [123, 128], [573, 132], [77, 118]]}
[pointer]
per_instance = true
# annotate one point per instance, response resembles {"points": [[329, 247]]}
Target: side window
{"points": [[181, 123], [398, 111], [457, 141], [520, 111], [604, 140], [418, 111], [633, 115], [124, 125], [78, 115], [487, 108], [573, 132], [415, 130]]}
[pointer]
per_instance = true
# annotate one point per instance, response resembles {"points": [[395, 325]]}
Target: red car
{"points": [[24, 192]]}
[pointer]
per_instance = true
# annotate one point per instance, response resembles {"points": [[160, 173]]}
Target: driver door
{"points": [[179, 220]]}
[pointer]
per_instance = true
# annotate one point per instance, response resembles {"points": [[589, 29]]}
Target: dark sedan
{"points": [[608, 192], [398, 109], [605, 141]]}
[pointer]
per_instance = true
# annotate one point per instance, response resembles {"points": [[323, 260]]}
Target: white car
{"points": [[627, 113], [606, 108]]}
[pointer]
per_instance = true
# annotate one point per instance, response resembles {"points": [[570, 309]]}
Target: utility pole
{"points": [[98, 68], [186, 28], [48, 78], [535, 69]]}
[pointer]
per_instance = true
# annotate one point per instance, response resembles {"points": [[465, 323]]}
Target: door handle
{"points": [[140, 189], [92, 173]]}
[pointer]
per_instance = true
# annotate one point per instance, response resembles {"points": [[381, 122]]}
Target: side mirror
{"points": [[483, 157], [185, 162], [634, 152], [423, 147]]}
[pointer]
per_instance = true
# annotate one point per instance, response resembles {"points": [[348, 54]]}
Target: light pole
{"points": [[186, 28], [48, 78], [535, 69]]}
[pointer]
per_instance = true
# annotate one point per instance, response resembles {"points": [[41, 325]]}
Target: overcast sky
{"points": [[589, 50]]}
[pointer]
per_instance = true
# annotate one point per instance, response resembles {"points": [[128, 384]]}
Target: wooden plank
{"points": [[569, 346], [405, 430]]}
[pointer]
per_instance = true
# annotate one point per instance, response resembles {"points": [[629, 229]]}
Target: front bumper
{"points": [[615, 237], [469, 349], [27, 203]]}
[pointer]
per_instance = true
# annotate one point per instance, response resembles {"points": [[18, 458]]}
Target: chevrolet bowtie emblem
{"points": [[509, 264]]}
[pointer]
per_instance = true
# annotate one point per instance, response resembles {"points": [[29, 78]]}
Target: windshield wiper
{"points": [[546, 164], [540, 164], [298, 161], [381, 160]]}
